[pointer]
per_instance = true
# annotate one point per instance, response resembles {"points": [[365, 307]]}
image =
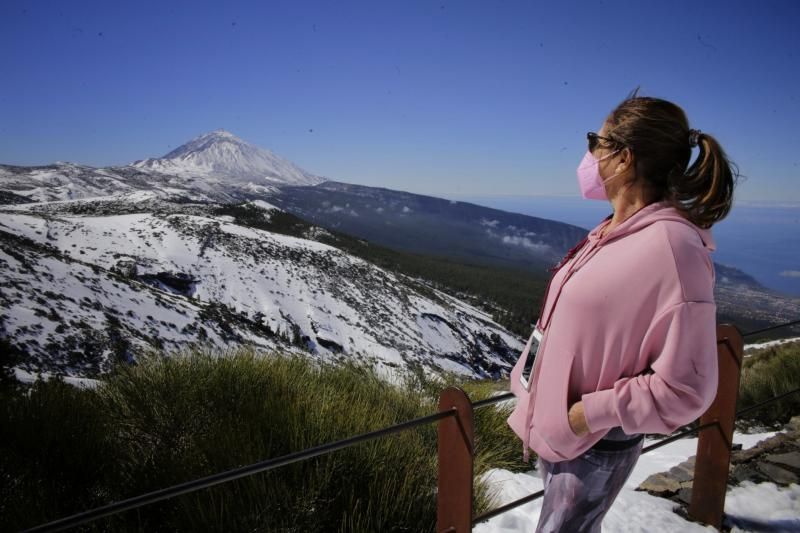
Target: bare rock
{"points": [[766, 445], [791, 459], [776, 460], [778, 475], [682, 472], [745, 472], [660, 485], [685, 496]]}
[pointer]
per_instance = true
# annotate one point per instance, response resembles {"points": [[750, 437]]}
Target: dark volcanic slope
{"points": [[429, 225]]}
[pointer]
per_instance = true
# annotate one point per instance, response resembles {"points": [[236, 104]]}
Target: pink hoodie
{"points": [[632, 334]]}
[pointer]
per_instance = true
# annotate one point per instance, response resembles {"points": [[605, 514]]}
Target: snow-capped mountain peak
{"points": [[221, 155], [211, 143]]}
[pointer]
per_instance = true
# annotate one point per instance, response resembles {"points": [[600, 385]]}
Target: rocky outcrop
{"points": [[776, 460]]}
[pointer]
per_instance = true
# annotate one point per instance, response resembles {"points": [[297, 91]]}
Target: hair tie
{"points": [[694, 137]]}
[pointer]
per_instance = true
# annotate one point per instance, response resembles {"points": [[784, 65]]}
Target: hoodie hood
{"points": [[646, 216]]}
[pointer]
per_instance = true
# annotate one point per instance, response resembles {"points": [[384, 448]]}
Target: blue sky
{"points": [[444, 98]]}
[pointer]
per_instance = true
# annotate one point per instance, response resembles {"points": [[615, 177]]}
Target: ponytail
{"points": [[658, 133], [704, 193]]}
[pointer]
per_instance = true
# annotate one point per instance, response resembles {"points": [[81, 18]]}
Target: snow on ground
{"points": [[24, 376], [764, 504], [264, 205], [635, 511], [778, 342], [342, 305]]}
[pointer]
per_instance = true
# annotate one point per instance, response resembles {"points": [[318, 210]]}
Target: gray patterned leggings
{"points": [[579, 492]]}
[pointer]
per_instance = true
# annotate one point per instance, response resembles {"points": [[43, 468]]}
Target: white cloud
{"points": [[336, 209], [791, 273], [526, 243], [379, 210], [515, 240], [406, 209], [490, 223]]}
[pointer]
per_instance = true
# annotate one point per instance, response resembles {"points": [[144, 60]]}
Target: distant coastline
{"points": [[760, 238]]}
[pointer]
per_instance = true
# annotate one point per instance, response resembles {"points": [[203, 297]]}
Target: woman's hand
{"points": [[577, 420]]}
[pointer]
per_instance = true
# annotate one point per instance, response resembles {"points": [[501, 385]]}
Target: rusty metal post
{"points": [[714, 444], [456, 452]]}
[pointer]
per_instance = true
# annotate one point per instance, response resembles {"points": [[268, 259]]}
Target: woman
{"points": [[627, 328]]}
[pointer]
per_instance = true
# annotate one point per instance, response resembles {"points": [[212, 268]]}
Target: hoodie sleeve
{"points": [[680, 384]]}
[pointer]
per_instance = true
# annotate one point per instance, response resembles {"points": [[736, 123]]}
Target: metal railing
{"points": [[455, 425], [663, 442], [230, 475]]}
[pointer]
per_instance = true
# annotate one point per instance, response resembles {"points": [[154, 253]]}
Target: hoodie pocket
{"points": [[550, 417]]}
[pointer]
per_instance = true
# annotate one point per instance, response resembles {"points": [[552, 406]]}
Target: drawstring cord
{"points": [[578, 259]]}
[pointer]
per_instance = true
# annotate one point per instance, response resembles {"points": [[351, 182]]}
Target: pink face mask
{"points": [[589, 179]]}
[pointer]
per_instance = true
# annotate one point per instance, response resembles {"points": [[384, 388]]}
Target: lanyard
{"points": [[567, 258]]}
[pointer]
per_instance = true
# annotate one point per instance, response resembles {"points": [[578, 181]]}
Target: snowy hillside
{"points": [[217, 166], [90, 281], [67, 181], [61, 181]]}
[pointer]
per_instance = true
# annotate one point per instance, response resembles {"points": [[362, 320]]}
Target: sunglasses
{"points": [[594, 139]]}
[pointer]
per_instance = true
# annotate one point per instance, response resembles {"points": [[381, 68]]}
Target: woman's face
{"points": [[607, 162], [603, 152]]}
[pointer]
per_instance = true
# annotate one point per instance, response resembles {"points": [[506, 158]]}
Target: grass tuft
{"points": [[767, 373], [170, 420]]}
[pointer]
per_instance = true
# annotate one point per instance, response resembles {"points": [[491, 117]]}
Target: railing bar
{"points": [[507, 507], [536, 495], [493, 399], [678, 436], [270, 464], [771, 328], [738, 414], [765, 402], [230, 475], [659, 444]]}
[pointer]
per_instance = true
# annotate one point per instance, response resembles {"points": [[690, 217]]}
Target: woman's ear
{"points": [[625, 160]]}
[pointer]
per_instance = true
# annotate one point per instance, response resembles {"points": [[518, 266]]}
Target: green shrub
{"points": [[767, 373], [171, 420], [53, 454], [186, 417]]}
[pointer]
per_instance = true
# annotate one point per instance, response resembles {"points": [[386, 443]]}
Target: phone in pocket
{"points": [[527, 370]]}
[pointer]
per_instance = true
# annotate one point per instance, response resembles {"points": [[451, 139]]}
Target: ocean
{"points": [[761, 240]]}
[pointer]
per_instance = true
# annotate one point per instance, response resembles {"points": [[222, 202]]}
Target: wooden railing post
{"points": [[456, 450], [714, 444]]}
